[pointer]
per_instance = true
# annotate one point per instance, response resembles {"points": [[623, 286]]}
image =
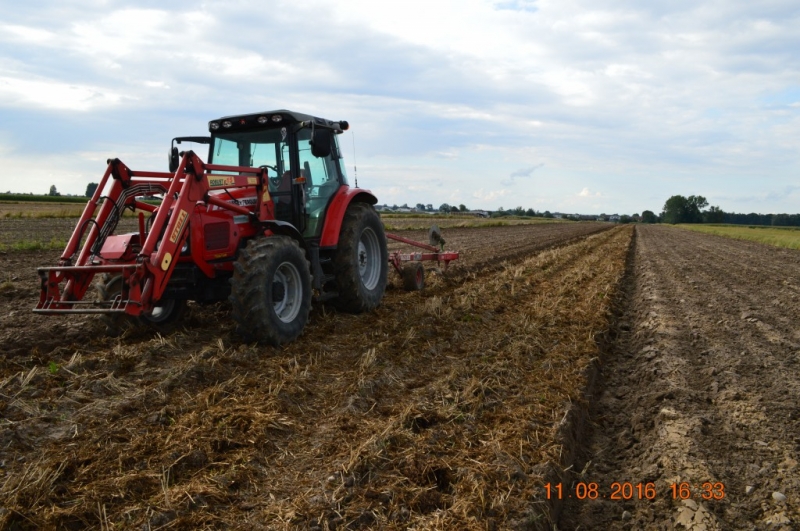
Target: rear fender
{"points": [[336, 210]]}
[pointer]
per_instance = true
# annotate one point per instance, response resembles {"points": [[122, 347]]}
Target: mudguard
{"points": [[333, 217], [284, 228]]}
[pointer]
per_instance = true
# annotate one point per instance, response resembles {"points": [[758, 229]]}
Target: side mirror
{"points": [[174, 160], [321, 143]]}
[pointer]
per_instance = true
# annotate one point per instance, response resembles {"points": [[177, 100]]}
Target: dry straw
{"points": [[439, 411]]}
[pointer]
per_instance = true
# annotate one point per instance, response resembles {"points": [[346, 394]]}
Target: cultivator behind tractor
{"points": [[409, 266], [268, 223]]}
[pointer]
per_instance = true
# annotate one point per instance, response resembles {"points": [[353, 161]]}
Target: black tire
{"points": [[271, 291], [361, 260], [413, 276], [162, 318]]}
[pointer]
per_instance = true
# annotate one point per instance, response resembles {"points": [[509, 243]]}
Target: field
{"points": [[445, 221], [33, 209], [560, 353], [788, 237]]}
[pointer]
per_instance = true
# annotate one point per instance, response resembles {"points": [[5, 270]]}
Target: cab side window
{"points": [[322, 177], [322, 181]]}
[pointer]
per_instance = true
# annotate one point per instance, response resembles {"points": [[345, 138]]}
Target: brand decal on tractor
{"points": [[176, 232], [222, 181]]}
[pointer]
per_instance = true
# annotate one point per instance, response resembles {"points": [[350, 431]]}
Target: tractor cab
{"points": [[301, 156]]}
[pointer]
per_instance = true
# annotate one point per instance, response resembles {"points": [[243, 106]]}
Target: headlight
{"points": [[213, 126], [226, 124]]}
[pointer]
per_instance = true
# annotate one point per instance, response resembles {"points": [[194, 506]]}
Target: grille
{"points": [[217, 236]]}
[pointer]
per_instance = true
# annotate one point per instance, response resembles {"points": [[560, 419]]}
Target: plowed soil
{"points": [[563, 355], [701, 387], [442, 409]]}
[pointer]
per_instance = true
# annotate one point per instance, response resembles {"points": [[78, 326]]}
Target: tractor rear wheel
{"points": [[161, 318], [271, 290], [361, 260]]}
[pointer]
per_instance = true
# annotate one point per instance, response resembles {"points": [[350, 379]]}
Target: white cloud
{"points": [[51, 94], [588, 193], [490, 196], [126, 32], [26, 34], [156, 84], [641, 101]]}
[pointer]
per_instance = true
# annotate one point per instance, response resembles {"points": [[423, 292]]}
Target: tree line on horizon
{"points": [[677, 209], [695, 209]]}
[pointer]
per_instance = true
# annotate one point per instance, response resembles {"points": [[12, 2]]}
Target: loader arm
{"points": [[145, 274]]}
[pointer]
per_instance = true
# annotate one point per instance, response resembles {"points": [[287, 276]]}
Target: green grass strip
{"points": [[788, 237], [35, 245], [25, 198]]}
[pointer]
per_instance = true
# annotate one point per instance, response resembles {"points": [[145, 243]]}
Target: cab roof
{"points": [[281, 117]]}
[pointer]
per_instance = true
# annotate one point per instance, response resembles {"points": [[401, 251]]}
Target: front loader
{"points": [[268, 222]]}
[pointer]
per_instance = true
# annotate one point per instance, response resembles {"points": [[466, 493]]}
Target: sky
{"points": [[571, 106]]}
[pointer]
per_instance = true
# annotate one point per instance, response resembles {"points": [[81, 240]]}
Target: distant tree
{"points": [[429, 207], [785, 220], [714, 215], [696, 204], [420, 206], [648, 216], [444, 207], [53, 191], [462, 208], [679, 209], [530, 212], [676, 210], [625, 218], [90, 188], [453, 208], [548, 215]]}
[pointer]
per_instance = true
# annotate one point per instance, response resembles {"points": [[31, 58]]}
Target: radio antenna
{"points": [[355, 168]]}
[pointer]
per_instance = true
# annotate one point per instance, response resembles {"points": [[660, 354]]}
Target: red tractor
{"points": [[268, 221]]}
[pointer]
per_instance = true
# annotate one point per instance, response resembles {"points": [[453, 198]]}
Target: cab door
{"points": [[323, 177]]}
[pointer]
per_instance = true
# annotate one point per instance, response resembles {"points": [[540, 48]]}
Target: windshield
{"points": [[253, 149]]}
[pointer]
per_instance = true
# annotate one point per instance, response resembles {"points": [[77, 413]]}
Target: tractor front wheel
{"points": [[161, 318], [271, 290], [361, 261]]}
